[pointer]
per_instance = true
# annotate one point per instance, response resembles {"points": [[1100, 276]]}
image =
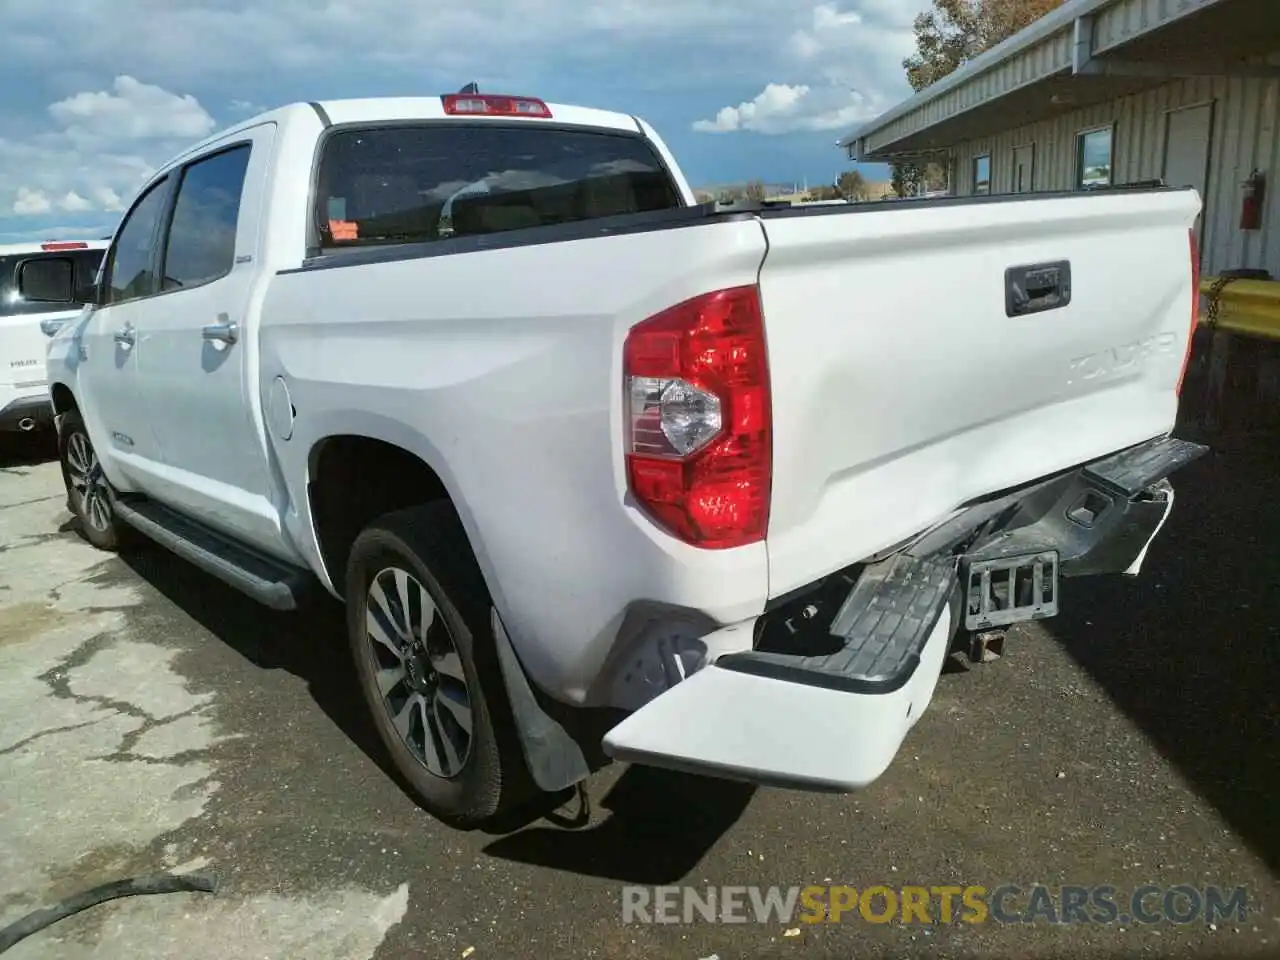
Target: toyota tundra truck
{"points": [[599, 472], [26, 323]]}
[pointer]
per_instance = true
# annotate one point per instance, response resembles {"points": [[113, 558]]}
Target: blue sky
{"points": [[99, 95]]}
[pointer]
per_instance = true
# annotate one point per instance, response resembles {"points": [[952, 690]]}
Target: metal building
{"points": [[1116, 91]]}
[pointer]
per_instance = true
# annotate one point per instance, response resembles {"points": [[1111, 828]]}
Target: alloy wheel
{"points": [[418, 671], [89, 483]]}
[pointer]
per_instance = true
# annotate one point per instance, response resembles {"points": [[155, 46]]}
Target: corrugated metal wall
{"points": [[1046, 58], [1113, 25], [1246, 135], [1130, 18]]}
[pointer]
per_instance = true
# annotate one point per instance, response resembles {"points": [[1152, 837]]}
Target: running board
{"points": [[271, 582]]}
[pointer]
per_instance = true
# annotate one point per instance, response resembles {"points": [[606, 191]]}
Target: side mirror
{"points": [[48, 280]]}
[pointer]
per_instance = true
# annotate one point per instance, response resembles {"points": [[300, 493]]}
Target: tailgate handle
{"points": [[1037, 287]]}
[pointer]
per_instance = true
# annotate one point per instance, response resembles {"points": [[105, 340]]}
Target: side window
{"points": [[201, 245], [982, 174], [86, 266], [1093, 158], [129, 270]]}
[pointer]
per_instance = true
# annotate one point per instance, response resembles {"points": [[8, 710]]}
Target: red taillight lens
{"points": [[67, 245], [1195, 307], [699, 438], [488, 104]]}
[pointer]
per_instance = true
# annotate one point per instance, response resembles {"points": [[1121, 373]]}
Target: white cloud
{"points": [[72, 202], [107, 199], [780, 108], [102, 145], [132, 111], [119, 107], [31, 203], [847, 61], [242, 45]]}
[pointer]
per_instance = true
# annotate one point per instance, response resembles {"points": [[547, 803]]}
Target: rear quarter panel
{"points": [[501, 369]]}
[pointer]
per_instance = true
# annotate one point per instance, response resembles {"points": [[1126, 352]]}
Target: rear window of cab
{"points": [[426, 182]]}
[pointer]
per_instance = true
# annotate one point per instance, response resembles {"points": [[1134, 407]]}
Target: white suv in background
{"points": [[25, 325]]}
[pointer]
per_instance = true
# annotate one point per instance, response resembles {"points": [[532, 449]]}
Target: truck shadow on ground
{"points": [[1190, 650], [661, 824]]}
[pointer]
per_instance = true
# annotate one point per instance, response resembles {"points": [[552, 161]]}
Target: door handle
{"points": [[1037, 288], [50, 327], [222, 332], [126, 336]]}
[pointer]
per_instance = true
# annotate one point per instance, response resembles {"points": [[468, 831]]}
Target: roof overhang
{"points": [[1084, 52]]}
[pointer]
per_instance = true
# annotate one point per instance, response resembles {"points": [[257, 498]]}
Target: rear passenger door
{"points": [[107, 353], [200, 357]]}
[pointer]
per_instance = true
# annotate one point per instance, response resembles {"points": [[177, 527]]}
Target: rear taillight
{"points": [[699, 432], [489, 104], [64, 245], [1195, 307]]}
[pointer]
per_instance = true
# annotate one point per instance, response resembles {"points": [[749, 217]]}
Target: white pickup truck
{"points": [[25, 323], [600, 472]]}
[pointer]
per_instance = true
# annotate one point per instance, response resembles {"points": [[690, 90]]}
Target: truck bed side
{"points": [[500, 369]]}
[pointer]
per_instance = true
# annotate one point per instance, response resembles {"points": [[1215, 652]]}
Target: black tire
{"points": [[95, 513], [430, 545]]}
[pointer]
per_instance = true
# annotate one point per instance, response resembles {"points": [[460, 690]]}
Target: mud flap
{"points": [[780, 732], [552, 756]]}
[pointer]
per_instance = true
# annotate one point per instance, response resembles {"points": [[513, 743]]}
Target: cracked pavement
{"points": [[107, 751], [151, 718]]}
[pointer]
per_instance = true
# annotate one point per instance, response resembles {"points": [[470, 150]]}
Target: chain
{"points": [[1215, 300]]}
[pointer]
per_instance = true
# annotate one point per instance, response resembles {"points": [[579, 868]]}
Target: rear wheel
{"points": [[418, 623], [90, 497]]}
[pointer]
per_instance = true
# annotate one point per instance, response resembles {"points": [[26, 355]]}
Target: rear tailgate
{"points": [[902, 388]]}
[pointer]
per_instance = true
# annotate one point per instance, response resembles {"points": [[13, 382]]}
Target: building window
{"points": [[1093, 158], [982, 174]]}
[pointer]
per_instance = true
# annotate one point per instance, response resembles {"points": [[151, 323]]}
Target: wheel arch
{"points": [[63, 398], [355, 477]]}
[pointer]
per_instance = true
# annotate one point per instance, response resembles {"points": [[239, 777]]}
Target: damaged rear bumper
{"points": [[820, 691]]}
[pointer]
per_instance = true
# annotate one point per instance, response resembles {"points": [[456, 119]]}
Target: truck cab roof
{"points": [[410, 109]]}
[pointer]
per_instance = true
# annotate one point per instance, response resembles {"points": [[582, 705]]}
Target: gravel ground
{"points": [[151, 718]]}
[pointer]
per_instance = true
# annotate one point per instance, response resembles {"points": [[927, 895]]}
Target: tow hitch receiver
{"points": [[1010, 590]]}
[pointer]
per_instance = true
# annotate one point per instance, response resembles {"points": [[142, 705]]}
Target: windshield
{"points": [[419, 183]]}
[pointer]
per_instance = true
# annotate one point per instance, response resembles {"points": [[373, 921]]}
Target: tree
{"points": [[852, 185], [703, 197], [956, 31], [755, 191], [905, 179], [730, 194], [822, 193], [951, 34]]}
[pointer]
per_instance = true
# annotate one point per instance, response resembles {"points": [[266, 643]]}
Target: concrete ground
{"points": [[152, 719]]}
